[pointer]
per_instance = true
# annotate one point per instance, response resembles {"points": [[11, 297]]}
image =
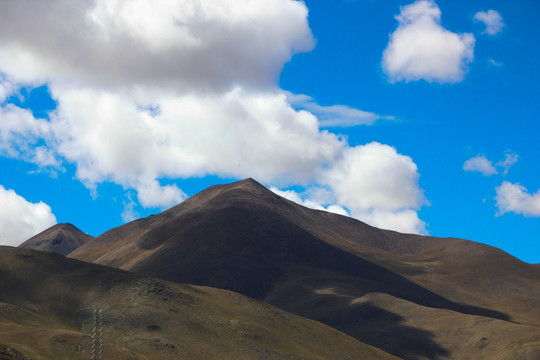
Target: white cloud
{"points": [[206, 70], [235, 134], [378, 185], [510, 158], [129, 213], [147, 90], [335, 115], [152, 194], [420, 48], [181, 45], [480, 164], [6, 89], [399, 218], [404, 220], [516, 198], [21, 219], [495, 63], [492, 19], [308, 202], [20, 134], [378, 175]]}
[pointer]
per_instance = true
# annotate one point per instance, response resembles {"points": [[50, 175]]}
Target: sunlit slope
{"points": [[46, 300]]}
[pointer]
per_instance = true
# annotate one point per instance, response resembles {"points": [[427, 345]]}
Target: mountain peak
{"points": [[243, 191], [248, 184], [61, 238], [330, 268]]}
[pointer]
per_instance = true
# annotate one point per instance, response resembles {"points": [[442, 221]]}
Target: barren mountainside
{"points": [[60, 238], [47, 302], [413, 296]]}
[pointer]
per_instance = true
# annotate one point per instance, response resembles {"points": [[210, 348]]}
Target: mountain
{"points": [[60, 238], [46, 300], [413, 296]]}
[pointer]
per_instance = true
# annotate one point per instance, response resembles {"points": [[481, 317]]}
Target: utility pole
{"points": [[97, 334]]}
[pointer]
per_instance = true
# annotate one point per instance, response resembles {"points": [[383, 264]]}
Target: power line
{"points": [[97, 335]]}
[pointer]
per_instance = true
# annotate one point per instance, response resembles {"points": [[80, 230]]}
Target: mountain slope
{"points": [[45, 300], [245, 238], [60, 238]]}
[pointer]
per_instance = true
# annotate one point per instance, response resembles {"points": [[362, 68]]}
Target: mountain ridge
{"points": [[243, 237]]}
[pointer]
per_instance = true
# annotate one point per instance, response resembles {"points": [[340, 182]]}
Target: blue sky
{"points": [[415, 116]]}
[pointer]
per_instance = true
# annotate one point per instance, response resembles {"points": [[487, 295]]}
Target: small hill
{"points": [[412, 296], [60, 239], [47, 300]]}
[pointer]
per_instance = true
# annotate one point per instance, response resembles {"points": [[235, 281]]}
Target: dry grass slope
{"points": [[46, 298]]}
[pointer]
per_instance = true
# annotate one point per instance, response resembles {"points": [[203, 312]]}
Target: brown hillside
{"points": [[60, 238], [46, 300], [339, 271]]}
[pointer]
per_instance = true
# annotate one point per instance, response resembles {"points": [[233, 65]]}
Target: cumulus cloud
{"points": [[152, 194], [21, 135], [235, 134], [309, 202], [404, 220], [480, 164], [152, 90], [373, 183], [181, 45], [420, 48], [516, 198], [378, 185], [335, 115], [492, 20], [160, 88], [6, 88], [21, 219]]}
